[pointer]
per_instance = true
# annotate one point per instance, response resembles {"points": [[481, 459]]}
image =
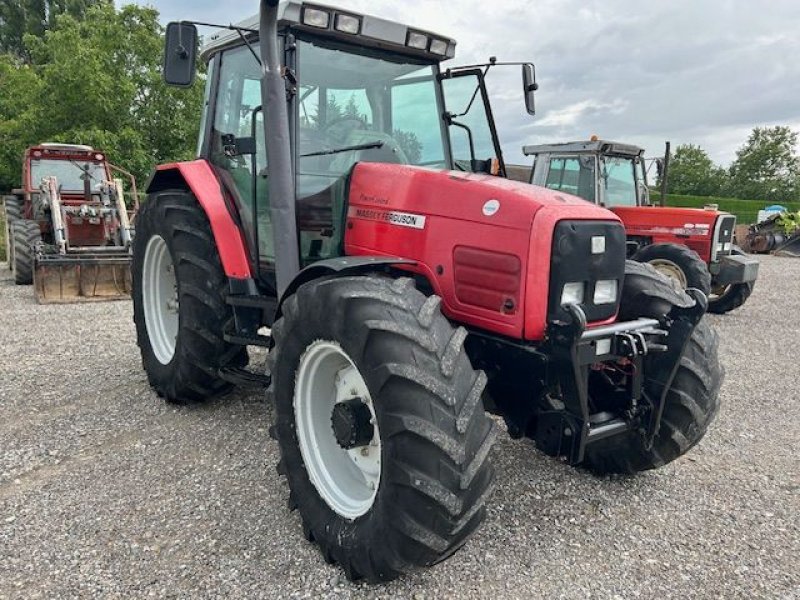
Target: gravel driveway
{"points": [[106, 491]]}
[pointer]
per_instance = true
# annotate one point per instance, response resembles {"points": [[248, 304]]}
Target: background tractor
{"points": [[343, 198], [693, 246], [69, 230]]}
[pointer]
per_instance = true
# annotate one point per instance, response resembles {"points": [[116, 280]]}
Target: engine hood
{"points": [[470, 196]]}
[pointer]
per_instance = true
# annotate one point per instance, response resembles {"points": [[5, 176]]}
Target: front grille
{"points": [[573, 261], [723, 236]]}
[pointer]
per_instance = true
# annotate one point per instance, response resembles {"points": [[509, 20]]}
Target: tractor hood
{"points": [[378, 188], [484, 243]]}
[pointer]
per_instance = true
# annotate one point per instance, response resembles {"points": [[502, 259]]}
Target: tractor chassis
{"points": [[562, 365]]}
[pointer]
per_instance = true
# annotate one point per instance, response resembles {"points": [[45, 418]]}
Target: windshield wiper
{"points": [[367, 146]]}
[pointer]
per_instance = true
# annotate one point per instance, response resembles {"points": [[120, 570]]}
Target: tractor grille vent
{"points": [[487, 279]]}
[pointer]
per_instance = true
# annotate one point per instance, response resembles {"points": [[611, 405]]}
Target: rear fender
{"points": [[198, 177]]}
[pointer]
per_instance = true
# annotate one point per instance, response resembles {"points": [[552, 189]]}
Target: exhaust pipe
{"points": [[280, 180]]}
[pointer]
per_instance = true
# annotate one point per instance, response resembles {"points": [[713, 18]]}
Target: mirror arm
{"points": [[247, 43]]}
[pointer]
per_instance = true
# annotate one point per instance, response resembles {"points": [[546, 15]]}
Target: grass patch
{"points": [[746, 211]]}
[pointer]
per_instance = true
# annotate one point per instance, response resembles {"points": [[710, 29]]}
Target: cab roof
{"points": [[373, 32], [593, 146]]}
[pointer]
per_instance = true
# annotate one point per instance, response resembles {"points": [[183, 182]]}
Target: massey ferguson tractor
{"points": [[693, 246], [69, 230], [343, 197]]}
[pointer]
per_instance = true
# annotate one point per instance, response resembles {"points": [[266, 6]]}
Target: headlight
{"points": [[572, 293], [439, 47], [605, 291], [347, 24], [417, 40]]}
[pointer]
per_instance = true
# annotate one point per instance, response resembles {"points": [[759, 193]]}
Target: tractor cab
{"points": [[607, 173], [358, 89]]}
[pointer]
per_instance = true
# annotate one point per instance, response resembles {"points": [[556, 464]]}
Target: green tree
{"points": [[35, 17], [97, 81], [766, 167], [692, 172]]}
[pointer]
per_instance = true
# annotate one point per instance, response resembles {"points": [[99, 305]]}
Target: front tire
{"points": [[692, 400], [678, 262], [425, 400], [179, 300], [26, 234]]}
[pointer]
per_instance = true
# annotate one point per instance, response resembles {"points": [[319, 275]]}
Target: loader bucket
{"points": [[83, 278], [790, 247]]}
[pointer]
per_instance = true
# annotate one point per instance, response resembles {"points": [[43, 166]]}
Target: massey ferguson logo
{"points": [[392, 217]]}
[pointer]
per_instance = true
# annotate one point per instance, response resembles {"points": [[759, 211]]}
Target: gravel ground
{"points": [[106, 491]]}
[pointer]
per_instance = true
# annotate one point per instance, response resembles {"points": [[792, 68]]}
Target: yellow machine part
{"points": [[81, 282]]}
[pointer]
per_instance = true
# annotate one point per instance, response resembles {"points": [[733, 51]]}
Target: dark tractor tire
{"points": [[26, 234], [179, 308], [727, 298], [692, 400], [678, 262], [13, 212], [425, 398]]}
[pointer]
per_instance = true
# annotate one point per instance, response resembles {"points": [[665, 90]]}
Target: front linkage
{"points": [[652, 349]]}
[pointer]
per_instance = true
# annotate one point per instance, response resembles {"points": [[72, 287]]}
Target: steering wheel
{"points": [[337, 130]]}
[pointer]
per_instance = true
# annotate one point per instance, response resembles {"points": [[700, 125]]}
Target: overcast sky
{"points": [[689, 71]]}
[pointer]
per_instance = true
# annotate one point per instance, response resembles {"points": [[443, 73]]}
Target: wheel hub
{"points": [[337, 429], [352, 424]]}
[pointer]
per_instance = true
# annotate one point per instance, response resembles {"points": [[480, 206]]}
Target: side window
{"points": [[238, 97], [619, 182], [573, 175]]}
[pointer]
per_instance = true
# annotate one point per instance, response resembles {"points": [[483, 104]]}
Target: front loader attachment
{"points": [[82, 277]]}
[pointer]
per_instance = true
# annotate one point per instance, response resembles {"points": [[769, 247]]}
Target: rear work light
{"points": [[347, 24], [314, 17], [417, 40]]}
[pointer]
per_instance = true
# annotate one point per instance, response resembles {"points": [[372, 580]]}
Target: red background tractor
{"points": [[693, 246]]}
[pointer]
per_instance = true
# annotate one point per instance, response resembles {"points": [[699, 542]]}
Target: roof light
{"points": [[315, 17], [417, 40], [439, 47], [347, 24]]}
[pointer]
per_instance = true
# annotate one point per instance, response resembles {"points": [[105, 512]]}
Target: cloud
{"points": [[643, 72]]}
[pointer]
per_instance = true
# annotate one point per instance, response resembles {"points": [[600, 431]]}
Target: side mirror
{"points": [[180, 52], [529, 87]]}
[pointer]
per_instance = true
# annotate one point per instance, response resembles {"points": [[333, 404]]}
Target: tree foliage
{"points": [[35, 17], [766, 166], [692, 172], [96, 79]]}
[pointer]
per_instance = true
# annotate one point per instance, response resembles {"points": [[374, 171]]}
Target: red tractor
{"points": [[68, 229], [343, 199], [693, 246]]}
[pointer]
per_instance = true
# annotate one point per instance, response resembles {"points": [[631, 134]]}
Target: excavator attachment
{"points": [[82, 277]]}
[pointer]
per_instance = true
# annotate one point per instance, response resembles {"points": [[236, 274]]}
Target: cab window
{"points": [[573, 175]]}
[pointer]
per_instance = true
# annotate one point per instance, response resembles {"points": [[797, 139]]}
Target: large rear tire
{"points": [[26, 234], [13, 212], [678, 262], [391, 348], [179, 308], [692, 400]]}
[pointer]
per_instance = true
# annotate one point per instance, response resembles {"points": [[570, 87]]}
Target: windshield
{"points": [[618, 181], [358, 107], [68, 173]]}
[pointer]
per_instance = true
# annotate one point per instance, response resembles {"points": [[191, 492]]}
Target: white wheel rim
{"points": [[347, 480], [160, 299], [671, 270]]}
